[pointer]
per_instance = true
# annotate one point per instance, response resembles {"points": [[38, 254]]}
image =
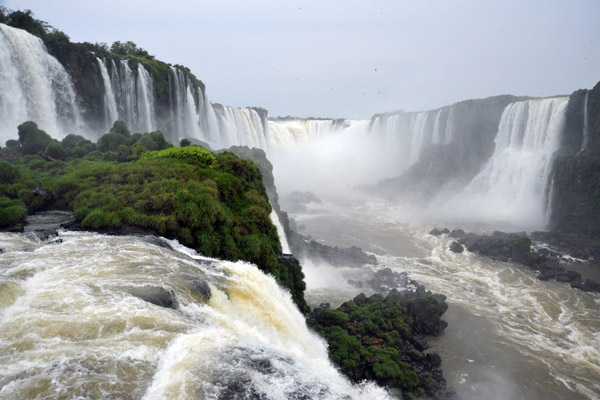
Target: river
{"points": [[510, 336]]}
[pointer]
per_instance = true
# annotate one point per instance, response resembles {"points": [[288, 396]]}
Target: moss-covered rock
{"points": [[378, 338]]}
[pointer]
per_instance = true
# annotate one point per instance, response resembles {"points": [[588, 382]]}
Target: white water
{"points": [[285, 247], [241, 127], [110, 104], [185, 121], [512, 185], [34, 87], [586, 128], [69, 327], [145, 101]]}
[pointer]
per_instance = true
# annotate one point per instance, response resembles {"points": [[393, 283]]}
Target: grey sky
{"points": [[352, 58]]}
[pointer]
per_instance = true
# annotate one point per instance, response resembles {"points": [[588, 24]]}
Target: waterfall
{"points": [[285, 247], [512, 185], [110, 104], [185, 120], [418, 125], [35, 87], [586, 129], [74, 323], [145, 101], [241, 127], [290, 133], [437, 136]]}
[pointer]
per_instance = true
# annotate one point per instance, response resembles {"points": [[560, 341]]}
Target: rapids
{"points": [[70, 326], [510, 336]]}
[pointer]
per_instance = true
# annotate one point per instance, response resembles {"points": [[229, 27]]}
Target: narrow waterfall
{"points": [[285, 247], [512, 185], [110, 104], [35, 87], [145, 101], [78, 319], [586, 128]]}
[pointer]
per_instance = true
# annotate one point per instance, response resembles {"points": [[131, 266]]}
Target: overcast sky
{"points": [[351, 58]]}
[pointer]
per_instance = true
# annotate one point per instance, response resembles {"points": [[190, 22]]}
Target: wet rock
{"points": [[158, 241], [44, 234], [457, 234], [356, 284], [385, 280], [445, 231], [435, 232], [156, 295], [456, 247], [568, 276], [434, 359], [198, 287], [591, 286]]}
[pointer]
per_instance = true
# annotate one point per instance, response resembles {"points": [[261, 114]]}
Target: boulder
{"points": [[156, 295], [457, 234], [456, 247]]}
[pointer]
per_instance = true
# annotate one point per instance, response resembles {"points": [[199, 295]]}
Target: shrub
{"points": [[32, 139], [11, 212], [8, 173], [55, 150]]}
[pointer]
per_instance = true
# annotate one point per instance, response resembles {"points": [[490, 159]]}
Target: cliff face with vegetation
{"points": [[576, 170], [216, 204]]}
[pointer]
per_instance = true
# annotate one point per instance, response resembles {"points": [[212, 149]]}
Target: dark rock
{"points": [[456, 247], [435, 232], [547, 275], [158, 241], [568, 276], [577, 284], [434, 359], [445, 231], [457, 234], [198, 287], [155, 295], [420, 342], [45, 234], [385, 280], [591, 286]]}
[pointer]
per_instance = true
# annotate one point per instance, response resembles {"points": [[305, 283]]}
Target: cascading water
{"points": [[184, 111], [74, 324], [145, 101], [241, 127], [35, 87], [110, 104], [512, 185], [586, 128], [285, 247], [131, 94]]}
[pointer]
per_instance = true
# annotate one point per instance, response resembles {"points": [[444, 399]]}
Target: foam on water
{"points": [[69, 326]]}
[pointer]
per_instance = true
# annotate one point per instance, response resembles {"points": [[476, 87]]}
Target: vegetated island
{"points": [[217, 204]]}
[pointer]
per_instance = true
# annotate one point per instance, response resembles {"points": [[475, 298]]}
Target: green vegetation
{"points": [[216, 204], [370, 338]]}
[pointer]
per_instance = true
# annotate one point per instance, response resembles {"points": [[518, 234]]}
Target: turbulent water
{"points": [[73, 325], [34, 87], [510, 336]]}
